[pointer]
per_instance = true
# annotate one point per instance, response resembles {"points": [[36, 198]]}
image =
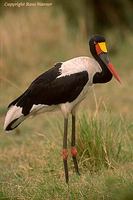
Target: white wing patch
{"points": [[13, 113], [41, 108], [80, 64], [37, 107]]}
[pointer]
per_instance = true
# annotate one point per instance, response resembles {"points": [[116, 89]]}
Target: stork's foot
{"points": [[74, 154], [65, 156]]}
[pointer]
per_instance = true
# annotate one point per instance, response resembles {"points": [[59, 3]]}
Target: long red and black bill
{"points": [[104, 57], [114, 72]]}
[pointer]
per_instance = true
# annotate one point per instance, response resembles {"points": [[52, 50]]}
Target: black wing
{"points": [[46, 77], [47, 89]]}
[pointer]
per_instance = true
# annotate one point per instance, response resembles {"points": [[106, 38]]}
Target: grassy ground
{"points": [[30, 159]]}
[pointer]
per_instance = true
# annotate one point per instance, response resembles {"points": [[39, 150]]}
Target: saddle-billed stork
{"points": [[63, 87]]}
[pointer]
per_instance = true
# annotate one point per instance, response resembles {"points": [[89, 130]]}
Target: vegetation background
{"points": [[33, 38]]}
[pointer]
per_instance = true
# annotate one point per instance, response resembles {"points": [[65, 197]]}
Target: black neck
{"points": [[104, 76]]}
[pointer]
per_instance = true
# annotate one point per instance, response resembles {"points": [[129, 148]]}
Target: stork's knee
{"points": [[74, 151], [64, 154]]}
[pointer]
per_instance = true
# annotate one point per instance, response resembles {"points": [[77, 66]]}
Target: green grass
{"points": [[31, 164], [104, 141], [30, 159]]}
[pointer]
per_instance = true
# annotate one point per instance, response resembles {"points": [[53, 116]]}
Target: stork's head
{"points": [[99, 51]]}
